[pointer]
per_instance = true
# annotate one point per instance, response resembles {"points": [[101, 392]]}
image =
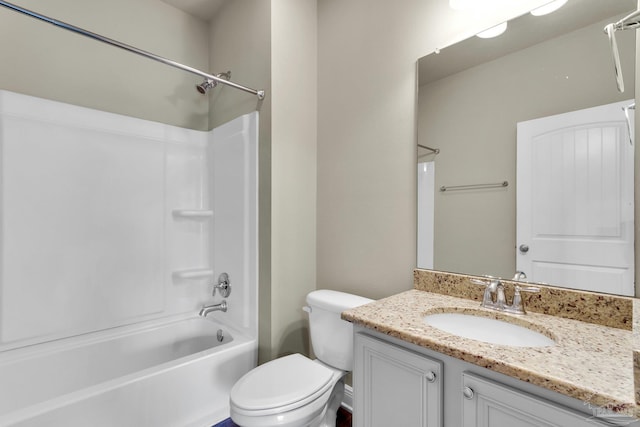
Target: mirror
{"points": [[472, 95]]}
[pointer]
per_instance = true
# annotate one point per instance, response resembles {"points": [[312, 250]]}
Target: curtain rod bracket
{"points": [[433, 150]]}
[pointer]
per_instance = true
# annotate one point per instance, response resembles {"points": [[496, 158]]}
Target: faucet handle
{"points": [[517, 306], [224, 285], [527, 289], [487, 281], [480, 282], [491, 283]]}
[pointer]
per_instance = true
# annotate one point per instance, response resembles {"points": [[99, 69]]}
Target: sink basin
{"points": [[488, 330]]}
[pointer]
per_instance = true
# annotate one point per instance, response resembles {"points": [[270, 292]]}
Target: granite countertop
{"points": [[589, 362]]}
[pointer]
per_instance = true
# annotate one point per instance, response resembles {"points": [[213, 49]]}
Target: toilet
{"points": [[295, 391]]}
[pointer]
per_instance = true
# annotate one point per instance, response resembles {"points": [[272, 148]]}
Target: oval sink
{"points": [[488, 330]]}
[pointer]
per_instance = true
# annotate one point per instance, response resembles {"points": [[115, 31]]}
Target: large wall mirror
{"points": [[525, 152]]}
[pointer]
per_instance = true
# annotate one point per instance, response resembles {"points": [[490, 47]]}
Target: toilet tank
{"points": [[332, 337]]}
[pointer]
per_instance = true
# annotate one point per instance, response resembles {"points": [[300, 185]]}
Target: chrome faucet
{"points": [[494, 287], [206, 309]]}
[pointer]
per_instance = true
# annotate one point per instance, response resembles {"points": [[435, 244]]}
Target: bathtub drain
{"points": [[220, 335]]}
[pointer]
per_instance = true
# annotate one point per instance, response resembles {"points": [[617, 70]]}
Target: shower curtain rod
{"points": [[259, 93]]}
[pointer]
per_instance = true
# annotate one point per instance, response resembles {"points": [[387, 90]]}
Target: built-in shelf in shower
{"points": [[192, 213], [193, 273]]}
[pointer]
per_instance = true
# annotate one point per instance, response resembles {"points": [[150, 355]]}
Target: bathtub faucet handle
{"points": [[224, 285]]}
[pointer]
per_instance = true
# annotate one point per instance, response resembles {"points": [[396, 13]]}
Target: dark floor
{"points": [[226, 423], [343, 420]]}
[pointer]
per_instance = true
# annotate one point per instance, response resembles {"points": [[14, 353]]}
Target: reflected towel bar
{"points": [[474, 186]]}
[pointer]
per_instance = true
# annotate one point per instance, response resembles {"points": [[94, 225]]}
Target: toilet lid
{"points": [[280, 382]]}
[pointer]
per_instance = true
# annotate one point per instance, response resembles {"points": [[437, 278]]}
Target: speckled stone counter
{"points": [[590, 362], [593, 307]]}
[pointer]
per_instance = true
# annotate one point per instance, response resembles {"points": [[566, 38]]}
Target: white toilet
{"points": [[294, 391]]}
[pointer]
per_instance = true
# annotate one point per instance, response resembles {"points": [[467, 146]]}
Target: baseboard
{"points": [[347, 400]]}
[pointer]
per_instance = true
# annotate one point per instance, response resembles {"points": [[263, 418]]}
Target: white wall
{"points": [[367, 52]]}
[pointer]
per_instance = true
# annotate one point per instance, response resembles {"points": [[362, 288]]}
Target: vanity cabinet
{"points": [[396, 383], [395, 386], [489, 404]]}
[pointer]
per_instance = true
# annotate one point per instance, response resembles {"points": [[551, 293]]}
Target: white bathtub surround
{"points": [[113, 228]]}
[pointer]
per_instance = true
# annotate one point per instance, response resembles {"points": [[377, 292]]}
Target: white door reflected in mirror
{"points": [[575, 199]]}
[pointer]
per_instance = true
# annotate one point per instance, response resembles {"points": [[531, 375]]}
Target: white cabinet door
{"points": [[490, 404], [394, 386]]}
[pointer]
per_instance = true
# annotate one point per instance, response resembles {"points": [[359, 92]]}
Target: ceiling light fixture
{"points": [[548, 8]]}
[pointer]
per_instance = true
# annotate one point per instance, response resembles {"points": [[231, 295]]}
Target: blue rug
{"points": [[226, 423]]}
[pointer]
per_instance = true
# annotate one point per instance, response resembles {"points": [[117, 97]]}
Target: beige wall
{"points": [[293, 170], [273, 45], [367, 52], [42, 60], [240, 42], [471, 117]]}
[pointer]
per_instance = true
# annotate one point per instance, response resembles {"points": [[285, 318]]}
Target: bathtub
{"points": [[175, 373]]}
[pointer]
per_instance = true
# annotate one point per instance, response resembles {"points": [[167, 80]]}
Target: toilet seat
{"points": [[281, 385]]}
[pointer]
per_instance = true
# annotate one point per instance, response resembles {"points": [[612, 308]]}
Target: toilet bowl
{"points": [[295, 391], [290, 391]]}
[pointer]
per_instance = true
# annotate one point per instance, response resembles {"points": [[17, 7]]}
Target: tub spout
{"points": [[214, 307]]}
